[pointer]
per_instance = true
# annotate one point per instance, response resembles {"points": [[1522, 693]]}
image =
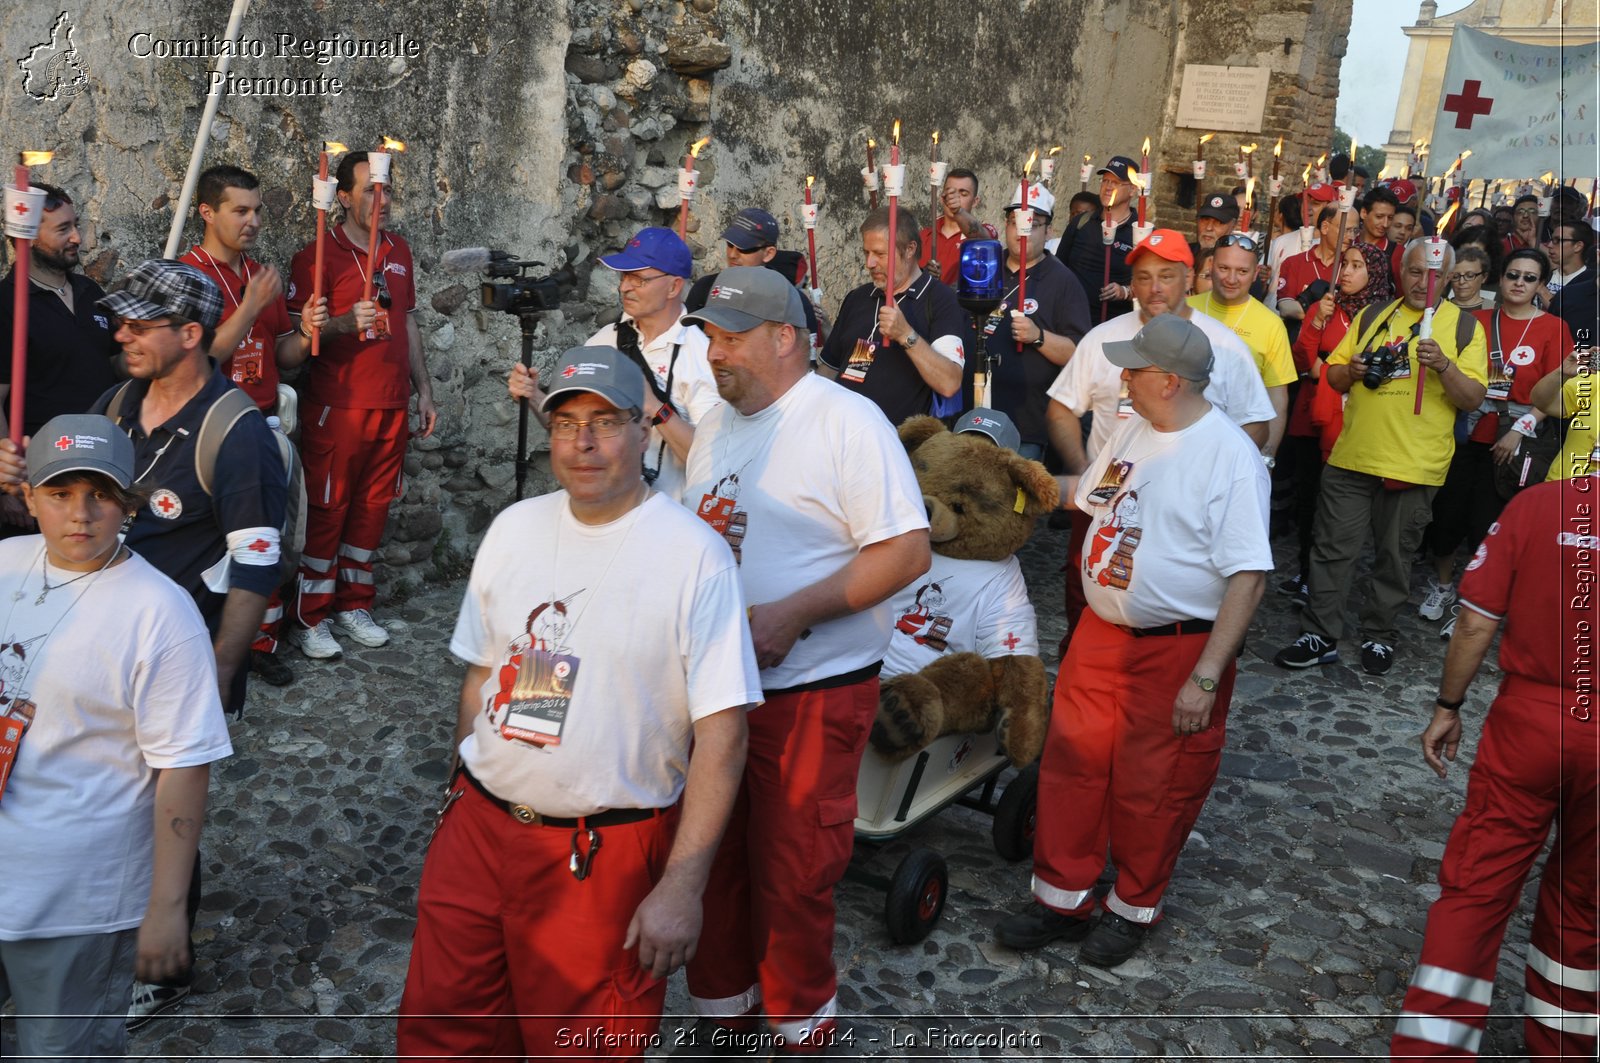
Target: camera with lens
{"points": [[1385, 363], [1313, 294]]}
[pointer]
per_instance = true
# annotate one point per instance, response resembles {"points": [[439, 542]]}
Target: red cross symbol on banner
{"points": [[165, 504], [1467, 104], [64, 443], [1010, 641], [569, 370], [259, 546]]}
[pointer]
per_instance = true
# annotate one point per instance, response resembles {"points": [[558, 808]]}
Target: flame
{"points": [[1087, 158], [1549, 175], [694, 149], [936, 136], [1322, 159], [1352, 150], [1383, 173], [1134, 179], [1246, 149], [333, 146], [1027, 167], [37, 158], [1207, 138], [1305, 176], [1466, 154], [1445, 221], [1277, 151], [872, 145], [1113, 201], [390, 144], [1249, 192], [897, 131], [809, 180], [1053, 152], [1146, 149]]}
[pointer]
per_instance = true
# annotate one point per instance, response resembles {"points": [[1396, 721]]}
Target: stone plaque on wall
{"points": [[1226, 99]]}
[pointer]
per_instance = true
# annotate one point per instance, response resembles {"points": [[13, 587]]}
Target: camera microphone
{"points": [[470, 259]]}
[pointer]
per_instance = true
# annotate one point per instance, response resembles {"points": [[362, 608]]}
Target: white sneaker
{"points": [[359, 625], [151, 1000], [315, 642], [1449, 628], [1439, 596]]}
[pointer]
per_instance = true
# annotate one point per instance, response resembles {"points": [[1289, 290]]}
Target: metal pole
{"points": [[213, 99]]}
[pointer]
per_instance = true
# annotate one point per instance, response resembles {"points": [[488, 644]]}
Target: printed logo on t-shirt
{"points": [[397, 268], [103, 321], [14, 700], [1030, 306], [1521, 356], [166, 504], [928, 623], [719, 508], [538, 678], [1108, 556]]}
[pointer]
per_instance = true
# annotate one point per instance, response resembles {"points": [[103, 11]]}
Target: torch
{"points": [[1141, 229], [936, 174], [1249, 202], [869, 176], [1347, 202], [1200, 157], [377, 173], [1433, 250], [1144, 181], [1322, 168], [1546, 196], [1083, 173], [1047, 167], [1308, 224], [1274, 188], [808, 217], [894, 176], [323, 196], [1024, 222], [24, 207], [688, 181], [1108, 234]]}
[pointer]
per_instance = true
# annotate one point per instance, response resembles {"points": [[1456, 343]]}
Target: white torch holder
{"points": [[937, 171], [894, 179], [808, 215], [1241, 170], [24, 208], [1024, 220], [869, 178], [1275, 186], [1047, 170], [378, 166], [1347, 197], [1084, 173], [1141, 233], [324, 193], [1199, 169], [688, 181], [1108, 233], [1146, 183], [1544, 205]]}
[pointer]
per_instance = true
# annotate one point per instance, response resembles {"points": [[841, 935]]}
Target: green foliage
{"points": [[1369, 156]]}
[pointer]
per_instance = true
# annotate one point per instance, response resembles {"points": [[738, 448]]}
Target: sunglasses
{"points": [[1239, 240], [144, 328], [1513, 275]]}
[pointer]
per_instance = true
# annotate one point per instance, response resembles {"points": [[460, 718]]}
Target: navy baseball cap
{"points": [[751, 228], [1120, 167], [161, 287], [1219, 207], [653, 248]]}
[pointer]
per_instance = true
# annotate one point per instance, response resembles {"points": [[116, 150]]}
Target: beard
{"points": [[64, 260]]}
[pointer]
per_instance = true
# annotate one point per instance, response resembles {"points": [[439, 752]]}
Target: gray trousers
{"points": [[71, 994], [1352, 504]]}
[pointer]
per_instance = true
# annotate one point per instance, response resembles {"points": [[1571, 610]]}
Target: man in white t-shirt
{"points": [[1174, 567], [812, 487], [603, 630], [1090, 383], [654, 271]]}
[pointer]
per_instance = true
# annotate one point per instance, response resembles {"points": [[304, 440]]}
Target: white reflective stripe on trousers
{"points": [[1562, 975], [1058, 898], [798, 1032], [1448, 983], [1437, 1031], [1582, 1023], [1128, 911], [728, 1007]]}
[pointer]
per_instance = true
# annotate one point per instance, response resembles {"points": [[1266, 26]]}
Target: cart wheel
{"points": [[916, 896], [1015, 815]]}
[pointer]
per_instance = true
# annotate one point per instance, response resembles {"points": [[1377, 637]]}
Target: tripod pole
{"points": [[530, 323]]}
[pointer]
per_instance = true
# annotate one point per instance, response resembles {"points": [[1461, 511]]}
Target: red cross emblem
{"points": [[21, 208], [165, 503], [570, 370], [1010, 641], [1467, 104], [260, 546], [64, 443]]}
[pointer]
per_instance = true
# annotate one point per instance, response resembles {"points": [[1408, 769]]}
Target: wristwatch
{"points": [[1450, 706], [1208, 685], [911, 340], [1037, 344], [1269, 461], [662, 416]]}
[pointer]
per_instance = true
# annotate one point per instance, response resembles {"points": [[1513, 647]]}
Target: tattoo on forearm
{"points": [[185, 828]]}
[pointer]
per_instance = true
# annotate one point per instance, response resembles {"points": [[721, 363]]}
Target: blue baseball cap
{"points": [[751, 228], [653, 248]]}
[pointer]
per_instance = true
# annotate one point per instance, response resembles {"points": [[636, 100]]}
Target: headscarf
{"points": [[1379, 289]]}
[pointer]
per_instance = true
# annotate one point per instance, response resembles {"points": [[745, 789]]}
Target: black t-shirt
{"points": [[1080, 248], [891, 379], [701, 291], [70, 352], [1020, 381]]}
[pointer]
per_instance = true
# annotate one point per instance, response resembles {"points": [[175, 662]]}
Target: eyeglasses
{"points": [[1152, 369], [1553, 239], [566, 428], [1527, 212], [144, 328], [1239, 240], [638, 280], [1475, 275], [1512, 275]]}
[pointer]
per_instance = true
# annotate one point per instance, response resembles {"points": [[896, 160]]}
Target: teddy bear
{"points": [[963, 656]]}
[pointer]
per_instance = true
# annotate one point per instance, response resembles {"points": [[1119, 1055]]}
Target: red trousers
{"points": [[354, 460], [514, 957], [1114, 775], [266, 640], [769, 914], [1536, 764], [1073, 596]]}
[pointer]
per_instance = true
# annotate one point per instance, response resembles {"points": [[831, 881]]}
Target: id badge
{"points": [[540, 697], [12, 729], [249, 359], [992, 322], [860, 361], [1111, 482], [380, 326], [716, 511], [1500, 377]]}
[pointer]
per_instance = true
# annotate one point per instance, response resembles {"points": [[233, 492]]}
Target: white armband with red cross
{"points": [[256, 547]]}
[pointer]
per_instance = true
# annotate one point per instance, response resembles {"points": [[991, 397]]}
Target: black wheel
{"points": [[1015, 816], [916, 896]]}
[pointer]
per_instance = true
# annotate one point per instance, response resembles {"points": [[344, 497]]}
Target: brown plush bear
{"points": [[964, 653]]}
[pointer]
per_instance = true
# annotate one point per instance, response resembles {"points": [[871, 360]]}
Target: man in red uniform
{"points": [[1538, 761], [956, 224], [1137, 728], [353, 415], [255, 338]]}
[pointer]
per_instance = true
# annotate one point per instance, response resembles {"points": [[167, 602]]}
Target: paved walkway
{"points": [[1292, 924]]}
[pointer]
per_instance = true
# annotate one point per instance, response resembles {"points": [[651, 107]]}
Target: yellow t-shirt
{"points": [[1383, 434], [1261, 330], [1577, 401]]}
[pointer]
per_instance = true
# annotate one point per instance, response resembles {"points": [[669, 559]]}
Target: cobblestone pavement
{"points": [[1292, 923]]}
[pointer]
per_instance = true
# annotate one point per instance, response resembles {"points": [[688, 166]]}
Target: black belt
{"points": [[1180, 627], [612, 817]]}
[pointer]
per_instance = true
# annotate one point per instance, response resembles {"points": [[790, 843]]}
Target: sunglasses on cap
{"points": [[1241, 241]]}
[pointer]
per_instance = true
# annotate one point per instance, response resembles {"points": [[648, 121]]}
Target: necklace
{"points": [[48, 586]]}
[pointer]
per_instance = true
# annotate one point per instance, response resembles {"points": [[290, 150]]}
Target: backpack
{"points": [[224, 413]]}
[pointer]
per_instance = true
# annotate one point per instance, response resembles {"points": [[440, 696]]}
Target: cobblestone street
{"points": [[1291, 926]]}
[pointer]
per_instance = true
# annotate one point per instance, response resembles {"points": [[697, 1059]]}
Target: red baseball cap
{"points": [[1164, 243], [1403, 190], [1323, 193]]}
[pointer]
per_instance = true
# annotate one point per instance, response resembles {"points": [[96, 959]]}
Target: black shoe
{"points": [[1292, 587], [1376, 657], [272, 671], [1307, 651], [1113, 940], [1037, 925]]}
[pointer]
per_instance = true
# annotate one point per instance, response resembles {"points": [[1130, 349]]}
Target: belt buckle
{"points": [[524, 814]]}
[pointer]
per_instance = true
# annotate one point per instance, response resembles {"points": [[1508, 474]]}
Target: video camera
{"points": [[519, 290], [1313, 294]]}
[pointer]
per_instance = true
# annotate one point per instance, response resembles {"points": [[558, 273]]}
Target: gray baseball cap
{"points": [[1169, 343], [80, 442], [603, 371], [745, 296], [992, 423]]}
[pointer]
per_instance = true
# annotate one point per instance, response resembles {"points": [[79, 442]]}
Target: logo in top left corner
{"points": [[54, 69]]}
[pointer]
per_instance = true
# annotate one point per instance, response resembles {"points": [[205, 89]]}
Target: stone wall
{"points": [[553, 129]]}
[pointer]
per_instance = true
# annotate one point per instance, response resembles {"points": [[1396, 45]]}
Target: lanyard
{"points": [[1499, 348], [227, 289]]}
